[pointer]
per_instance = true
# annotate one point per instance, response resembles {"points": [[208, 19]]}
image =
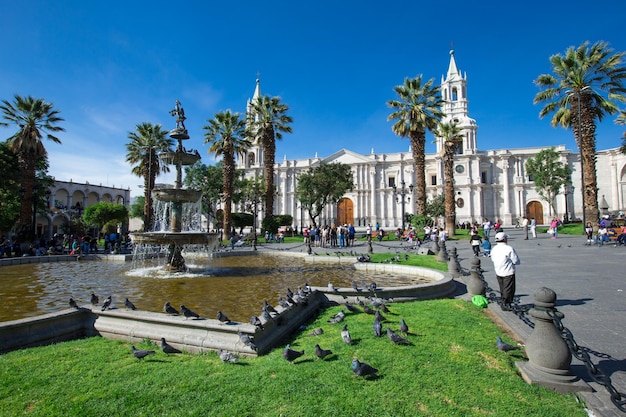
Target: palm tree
{"points": [[226, 133], [418, 109], [32, 116], [621, 120], [268, 122], [142, 151], [587, 83], [452, 136]]}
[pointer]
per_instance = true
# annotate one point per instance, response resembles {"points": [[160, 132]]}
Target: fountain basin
{"points": [[177, 195], [178, 157], [175, 238]]}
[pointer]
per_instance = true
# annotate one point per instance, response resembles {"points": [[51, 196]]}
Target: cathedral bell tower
{"points": [[254, 156], [454, 94]]}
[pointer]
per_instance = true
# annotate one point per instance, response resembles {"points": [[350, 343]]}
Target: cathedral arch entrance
{"points": [[535, 209], [345, 211]]}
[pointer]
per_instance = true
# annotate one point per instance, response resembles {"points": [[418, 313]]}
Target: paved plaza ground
{"points": [[590, 283]]}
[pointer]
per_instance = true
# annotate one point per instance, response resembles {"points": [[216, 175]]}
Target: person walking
{"points": [[525, 226], [504, 260], [475, 242], [533, 227]]}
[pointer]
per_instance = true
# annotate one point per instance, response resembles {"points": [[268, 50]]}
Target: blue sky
{"points": [[108, 66]]}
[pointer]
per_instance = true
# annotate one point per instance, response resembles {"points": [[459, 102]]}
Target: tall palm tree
{"points": [[227, 136], [268, 121], [587, 84], [621, 120], [418, 109], [143, 152], [452, 136], [32, 116]]}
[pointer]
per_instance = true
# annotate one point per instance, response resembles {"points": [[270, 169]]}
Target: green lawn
{"points": [[453, 368]]}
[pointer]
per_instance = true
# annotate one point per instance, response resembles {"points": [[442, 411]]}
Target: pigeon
{"points": [[140, 353], [384, 309], [345, 334], [284, 304], [379, 316], [169, 309], [396, 338], [291, 355], [503, 346], [267, 316], [73, 303], [351, 308], [106, 304], [167, 348], [289, 293], [337, 318], [268, 307], [246, 340], [331, 287], [255, 321], [404, 328], [365, 286], [94, 299], [223, 318], [355, 286], [129, 305], [372, 287], [378, 327], [317, 332], [363, 369], [322, 353], [188, 313], [368, 310], [226, 356]]}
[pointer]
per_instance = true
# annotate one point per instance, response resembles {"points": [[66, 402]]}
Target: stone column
{"points": [[549, 357]]}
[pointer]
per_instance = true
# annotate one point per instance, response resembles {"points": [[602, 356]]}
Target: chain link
{"points": [[581, 354]]}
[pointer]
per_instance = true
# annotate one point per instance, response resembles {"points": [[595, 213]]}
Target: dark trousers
{"points": [[507, 288]]}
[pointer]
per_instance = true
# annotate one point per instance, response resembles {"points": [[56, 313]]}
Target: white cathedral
{"points": [[492, 183]]}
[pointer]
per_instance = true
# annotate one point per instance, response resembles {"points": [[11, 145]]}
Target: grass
{"points": [[453, 368], [576, 229]]}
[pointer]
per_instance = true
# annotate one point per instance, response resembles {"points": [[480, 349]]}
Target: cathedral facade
{"points": [[489, 184]]}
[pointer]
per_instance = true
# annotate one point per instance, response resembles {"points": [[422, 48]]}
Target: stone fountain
{"points": [[177, 227]]}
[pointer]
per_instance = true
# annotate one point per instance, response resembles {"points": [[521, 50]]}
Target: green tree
{"points": [[210, 180], [227, 137], [136, 208], [621, 120], [32, 117], [9, 188], [142, 151], [587, 84], [549, 175], [267, 122], [323, 185], [417, 109], [103, 214], [452, 136]]}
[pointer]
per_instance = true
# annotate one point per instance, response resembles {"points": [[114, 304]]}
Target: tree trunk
{"points": [[450, 204], [588, 160], [269, 151], [418, 144]]}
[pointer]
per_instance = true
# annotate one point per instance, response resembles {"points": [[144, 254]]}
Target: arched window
{"points": [[455, 94], [251, 159]]}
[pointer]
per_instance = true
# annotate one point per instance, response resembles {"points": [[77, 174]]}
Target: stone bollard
{"points": [[442, 255], [436, 248], [308, 247], [453, 266], [369, 246], [549, 357], [475, 285]]}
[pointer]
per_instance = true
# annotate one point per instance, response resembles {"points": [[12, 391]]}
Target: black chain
{"points": [[581, 354]]}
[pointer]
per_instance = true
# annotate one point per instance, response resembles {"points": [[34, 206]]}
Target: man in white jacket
{"points": [[504, 260]]}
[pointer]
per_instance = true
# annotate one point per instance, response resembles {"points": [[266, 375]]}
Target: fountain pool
{"points": [[236, 285]]}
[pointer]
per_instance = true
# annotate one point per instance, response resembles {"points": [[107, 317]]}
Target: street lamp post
{"points": [[400, 197]]}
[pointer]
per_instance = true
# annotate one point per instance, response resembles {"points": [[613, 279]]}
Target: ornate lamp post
{"points": [[400, 196], [255, 202]]}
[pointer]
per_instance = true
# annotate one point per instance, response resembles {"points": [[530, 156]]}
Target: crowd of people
{"points": [[63, 244]]}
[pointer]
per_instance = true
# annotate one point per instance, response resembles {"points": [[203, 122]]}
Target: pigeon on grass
{"points": [[167, 348], [503, 346], [141, 353], [227, 357], [345, 334], [322, 353], [291, 355], [363, 369], [396, 338]]}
